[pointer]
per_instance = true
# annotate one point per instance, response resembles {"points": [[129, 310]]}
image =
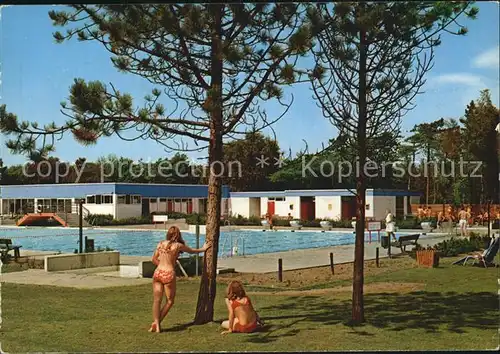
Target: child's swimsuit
{"points": [[249, 328], [164, 276]]}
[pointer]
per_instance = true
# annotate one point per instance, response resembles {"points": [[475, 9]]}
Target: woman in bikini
{"points": [[165, 258], [242, 316]]}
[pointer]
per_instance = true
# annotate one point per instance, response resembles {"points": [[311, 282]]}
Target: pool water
{"points": [[143, 243]]}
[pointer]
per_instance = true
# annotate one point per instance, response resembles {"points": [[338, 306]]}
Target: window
{"points": [[121, 199], [136, 199], [127, 199], [279, 199], [107, 199], [163, 200], [152, 200], [98, 199], [91, 199]]}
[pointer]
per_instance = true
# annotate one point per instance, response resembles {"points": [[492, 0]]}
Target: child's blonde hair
{"points": [[235, 290]]}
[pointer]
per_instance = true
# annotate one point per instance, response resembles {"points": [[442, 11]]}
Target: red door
{"points": [[304, 212], [190, 206], [270, 208], [346, 210], [169, 206], [307, 210]]}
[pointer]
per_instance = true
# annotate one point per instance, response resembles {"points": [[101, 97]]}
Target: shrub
{"points": [[242, 221], [455, 246], [99, 219], [409, 223], [106, 249], [106, 220], [193, 219], [133, 221]]}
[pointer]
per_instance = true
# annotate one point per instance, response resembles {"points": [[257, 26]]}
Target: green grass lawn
{"points": [[457, 308]]}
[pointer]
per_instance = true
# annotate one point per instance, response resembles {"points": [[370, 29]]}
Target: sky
{"points": [[36, 74]]}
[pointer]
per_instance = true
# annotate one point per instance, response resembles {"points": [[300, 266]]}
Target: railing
{"points": [[75, 210], [228, 223], [233, 246]]}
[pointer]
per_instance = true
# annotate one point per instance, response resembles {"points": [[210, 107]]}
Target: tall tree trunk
{"points": [[358, 315], [434, 182], [207, 292], [428, 174]]}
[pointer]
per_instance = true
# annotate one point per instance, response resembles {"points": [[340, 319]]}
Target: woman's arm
{"points": [[231, 320], [184, 248], [156, 259]]}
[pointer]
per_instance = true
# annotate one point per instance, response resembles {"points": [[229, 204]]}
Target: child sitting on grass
{"points": [[242, 315]]}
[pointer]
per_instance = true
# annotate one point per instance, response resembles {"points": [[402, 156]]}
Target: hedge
{"points": [[238, 220], [107, 220], [457, 245]]}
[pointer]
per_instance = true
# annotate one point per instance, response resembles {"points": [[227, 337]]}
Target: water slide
{"points": [[31, 217]]}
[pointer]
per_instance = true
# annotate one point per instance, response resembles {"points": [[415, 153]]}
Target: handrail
{"points": [[75, 210], [232, 244]]}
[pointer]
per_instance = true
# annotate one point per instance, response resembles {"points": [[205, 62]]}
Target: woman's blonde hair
{"points": [[174, 235], [235, 290]]}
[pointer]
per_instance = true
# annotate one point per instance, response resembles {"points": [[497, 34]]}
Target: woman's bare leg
{"points": [[225, 324], [157, 297], [170, 290]]}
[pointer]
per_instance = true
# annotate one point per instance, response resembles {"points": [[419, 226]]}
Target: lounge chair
{"points": [[486, 258]]}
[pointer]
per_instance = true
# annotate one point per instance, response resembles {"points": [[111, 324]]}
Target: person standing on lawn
{"points": [[164, 279]]}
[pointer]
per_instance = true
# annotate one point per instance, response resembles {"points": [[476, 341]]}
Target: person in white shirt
{"points": [[390, 225]]}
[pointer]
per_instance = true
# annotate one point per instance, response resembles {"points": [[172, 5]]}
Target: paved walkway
{"points": [[261, 263], [298, 259], [71, 279]]}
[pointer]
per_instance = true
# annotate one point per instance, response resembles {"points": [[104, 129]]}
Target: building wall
{"points": [[281, 208], [124, 211], [254, 206], [170, 190], [381, 204], [295, 212], [370, 202], [49, 191], [106, 209], [196, 205], [240, 206], [263, 205], [324, 212]]}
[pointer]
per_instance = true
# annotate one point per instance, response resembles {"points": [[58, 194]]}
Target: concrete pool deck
{"points": [[315, 257], [93, 278]]}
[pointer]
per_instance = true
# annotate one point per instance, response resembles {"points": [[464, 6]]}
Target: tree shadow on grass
{"points": [[179, 327], [431, 311], [270, 333]]}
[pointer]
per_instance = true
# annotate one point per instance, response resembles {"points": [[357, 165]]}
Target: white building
{"points": [[121, 200], [334, 204]]}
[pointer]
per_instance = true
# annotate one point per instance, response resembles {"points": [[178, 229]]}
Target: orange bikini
{"points": [[164, 276], [249, 328]]}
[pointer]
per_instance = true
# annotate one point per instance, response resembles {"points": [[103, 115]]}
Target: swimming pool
{"points": [[143, 243]]}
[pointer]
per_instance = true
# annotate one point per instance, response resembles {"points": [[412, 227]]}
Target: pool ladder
{"points": [[233, 246]]}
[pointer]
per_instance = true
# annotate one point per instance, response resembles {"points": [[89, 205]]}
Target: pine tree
{"points": [[215, 62], [371, 61], [480, 120]]}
